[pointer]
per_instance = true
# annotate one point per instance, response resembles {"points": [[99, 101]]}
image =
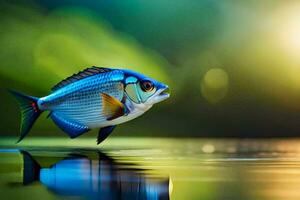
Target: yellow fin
{"points": [[112, 107]]}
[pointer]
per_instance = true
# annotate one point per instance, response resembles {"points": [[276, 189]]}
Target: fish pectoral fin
{"points": [[104, 133], [112, 107], [72, 128]]}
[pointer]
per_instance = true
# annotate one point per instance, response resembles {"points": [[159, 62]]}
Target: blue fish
{"points": [[96, 97]]}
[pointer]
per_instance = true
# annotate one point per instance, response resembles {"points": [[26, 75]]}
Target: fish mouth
{"points": [[160, 95], [164, 92]]}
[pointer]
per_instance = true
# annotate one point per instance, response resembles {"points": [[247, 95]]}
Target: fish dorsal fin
{"points": [[81, 75]]}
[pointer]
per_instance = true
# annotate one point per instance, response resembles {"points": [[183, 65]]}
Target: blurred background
{"points": [[233, 66]]}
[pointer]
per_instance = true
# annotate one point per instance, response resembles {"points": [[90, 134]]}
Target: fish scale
{"points": [[84, 105]]}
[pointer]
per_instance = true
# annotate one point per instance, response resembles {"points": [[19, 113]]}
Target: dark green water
{"points": [[150, 168]]}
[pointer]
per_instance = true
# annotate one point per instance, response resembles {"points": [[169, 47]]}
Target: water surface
{"points": [[149, 168]]}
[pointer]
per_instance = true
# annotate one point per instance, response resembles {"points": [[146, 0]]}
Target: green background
{"points": [[232, 66]]}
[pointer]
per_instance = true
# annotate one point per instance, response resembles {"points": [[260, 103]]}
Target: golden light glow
{"points": [[287, 23], [170, 186], [208, 148]]}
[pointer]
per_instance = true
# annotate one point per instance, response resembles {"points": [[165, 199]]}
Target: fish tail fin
{"points": [[31, 168], [29, 112]]}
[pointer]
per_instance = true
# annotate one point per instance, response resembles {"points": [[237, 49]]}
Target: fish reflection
{"points": [[94, 177]]}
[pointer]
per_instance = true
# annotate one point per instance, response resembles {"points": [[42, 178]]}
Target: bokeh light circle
{"points": [[214, 85]]}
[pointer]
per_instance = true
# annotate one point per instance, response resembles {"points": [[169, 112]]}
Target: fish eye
{"points": [[147, 86]]}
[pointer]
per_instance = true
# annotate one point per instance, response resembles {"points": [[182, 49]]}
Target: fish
{"points": [[96, 97], [89, 175]]}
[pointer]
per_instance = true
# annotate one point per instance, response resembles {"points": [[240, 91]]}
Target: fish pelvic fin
{"points": [[29, 112], [112, 107], [104, 133]]}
